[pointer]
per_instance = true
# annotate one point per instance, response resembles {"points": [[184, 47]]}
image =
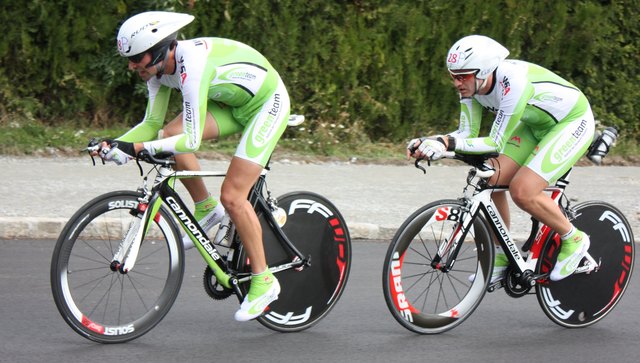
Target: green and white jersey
{"points": [[209, 71], [536, 112], [522, 92]]}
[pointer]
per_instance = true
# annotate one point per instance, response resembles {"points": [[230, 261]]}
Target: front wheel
{"points": [[318, 230], [99, 303], [421, 294], [583, 299]]}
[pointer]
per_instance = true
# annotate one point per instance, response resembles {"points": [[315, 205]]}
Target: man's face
{"points": [[140, 67], [465, 83]]}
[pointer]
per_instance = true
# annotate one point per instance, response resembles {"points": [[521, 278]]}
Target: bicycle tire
{"points": [[317, 229], [427, 300], [107, 306], [583, 299]]}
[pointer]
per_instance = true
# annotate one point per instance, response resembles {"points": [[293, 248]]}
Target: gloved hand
{"points": [[119, 152], [426, 147], [432, 149], [412, 146]]}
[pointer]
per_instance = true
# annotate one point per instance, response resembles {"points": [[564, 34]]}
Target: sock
{"points": [[569, 234], [203, 207], [260, 283]]}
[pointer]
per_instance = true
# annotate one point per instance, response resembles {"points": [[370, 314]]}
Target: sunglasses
{"points": [[463, 77], [137, 58]]}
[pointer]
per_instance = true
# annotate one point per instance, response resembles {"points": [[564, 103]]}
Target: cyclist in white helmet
{"points": [[542, 126], [227, 87]]}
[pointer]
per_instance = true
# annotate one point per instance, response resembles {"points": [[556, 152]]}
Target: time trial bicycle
{"points": [[119, 262], [440, 261]]}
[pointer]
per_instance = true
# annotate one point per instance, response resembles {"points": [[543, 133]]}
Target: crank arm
{"points": [[496, 285], [297, 263]]}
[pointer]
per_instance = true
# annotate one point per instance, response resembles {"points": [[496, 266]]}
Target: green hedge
{"points": [[373, 68]]}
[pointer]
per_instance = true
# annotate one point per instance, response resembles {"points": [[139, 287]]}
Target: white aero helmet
{"points": [[152, 31], [476, 54]]}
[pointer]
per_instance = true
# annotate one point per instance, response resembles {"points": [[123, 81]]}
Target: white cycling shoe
{"points": [[571, 253], [252, 308]]}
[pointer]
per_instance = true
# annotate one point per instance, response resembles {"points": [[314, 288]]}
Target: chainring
{"points": [[213, 288], [513, 285]]}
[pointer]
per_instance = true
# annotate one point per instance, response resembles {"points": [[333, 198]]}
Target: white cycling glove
{"points": [[116, 152], [432, 149], [411, 146]]}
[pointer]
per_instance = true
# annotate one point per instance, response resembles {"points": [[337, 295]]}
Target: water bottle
{"points": [[280, 216], [601, 146], [225, 232]]}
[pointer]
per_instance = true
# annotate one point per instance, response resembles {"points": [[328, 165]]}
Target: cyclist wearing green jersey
{"points": [[227, 87], [542, 126]]}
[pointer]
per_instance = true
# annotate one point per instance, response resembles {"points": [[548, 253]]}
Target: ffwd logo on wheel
{"points": [[310, 206]]}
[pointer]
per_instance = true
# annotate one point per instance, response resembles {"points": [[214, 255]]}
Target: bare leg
{"points": [[241, 176], [527, 192], [506, 168]]}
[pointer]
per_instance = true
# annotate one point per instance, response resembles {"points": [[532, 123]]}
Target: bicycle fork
{"points": [[465, 216], [125, 257]]}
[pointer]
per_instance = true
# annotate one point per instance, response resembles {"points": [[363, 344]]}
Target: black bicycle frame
{"points": [[258, 201], [207, 249], [190, 225]]}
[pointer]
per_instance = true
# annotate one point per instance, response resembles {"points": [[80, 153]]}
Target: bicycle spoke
{"points": [[93, 280], [105, 258], [88, 269], [439, 294], [425, 291], [418, 264], [137, 291], [106, 293], [421, 254], [149, 254], [450, 278]]}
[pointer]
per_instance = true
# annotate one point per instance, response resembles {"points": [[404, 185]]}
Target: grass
{"points": [[30, 138], [325, 142]]}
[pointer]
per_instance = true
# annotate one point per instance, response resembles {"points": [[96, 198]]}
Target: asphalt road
{"points": [[359, 329]]}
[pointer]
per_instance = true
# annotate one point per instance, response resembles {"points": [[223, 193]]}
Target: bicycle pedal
{"points": [[587, 268]]}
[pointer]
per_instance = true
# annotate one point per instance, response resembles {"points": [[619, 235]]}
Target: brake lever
{"points": [[138, 163], [93, 145], [412, 149], [93, 160], [417, 164]]}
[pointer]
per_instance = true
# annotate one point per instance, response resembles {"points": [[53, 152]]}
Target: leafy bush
{"points": [[374, 69]]}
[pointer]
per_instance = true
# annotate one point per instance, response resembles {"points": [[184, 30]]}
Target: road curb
{"points": [[50, 228], [31, 227]]}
